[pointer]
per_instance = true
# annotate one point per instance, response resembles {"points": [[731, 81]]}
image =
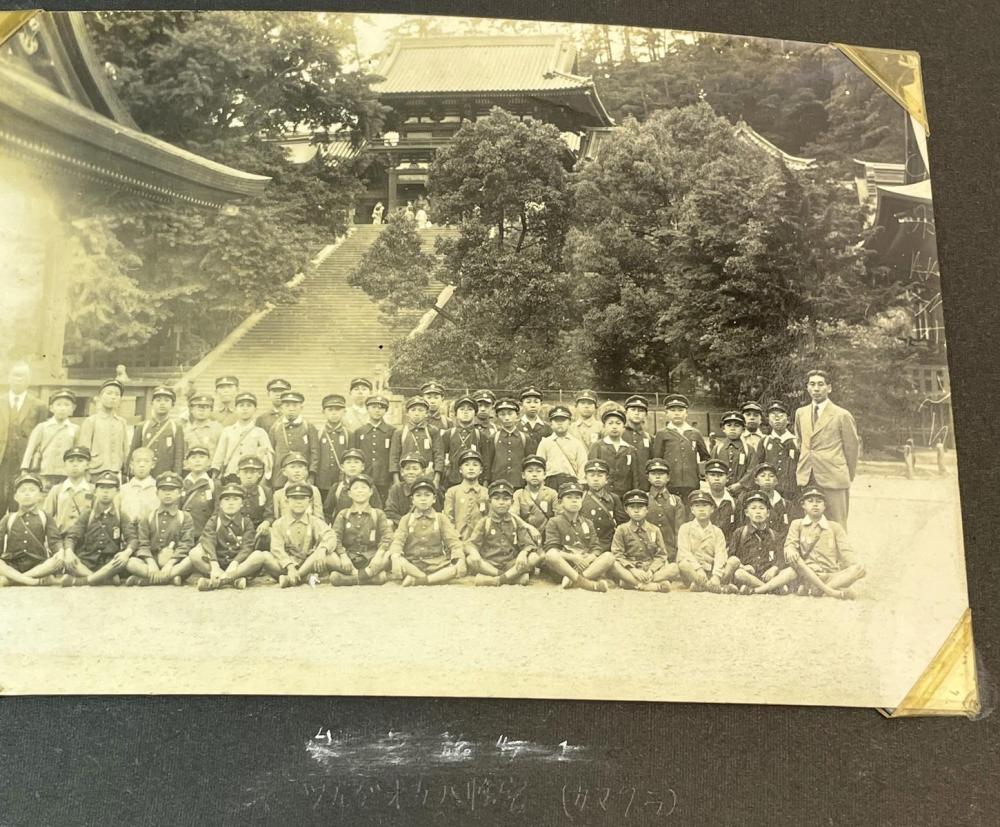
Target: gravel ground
{"points": [[534, 641]]}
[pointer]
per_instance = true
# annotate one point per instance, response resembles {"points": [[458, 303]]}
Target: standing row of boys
{"points": [[226, 494]]}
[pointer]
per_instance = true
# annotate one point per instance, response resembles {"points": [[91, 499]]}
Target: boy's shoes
{"points": [[654, 587], [846, 594], [116, 580], [240, 583], [566, 583], [283, 581], [132, 580], [70, 580], [730, 588], [609, 585], [523, 580], [204, 584], [177, 580], [409, 580], [592, 585], [487, 580], [4, 582]]}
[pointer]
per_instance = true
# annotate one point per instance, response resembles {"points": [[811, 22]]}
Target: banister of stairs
{"points": [[251, 321]]}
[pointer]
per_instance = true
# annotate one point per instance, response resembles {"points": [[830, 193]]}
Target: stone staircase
{"points": [[334, 332]]}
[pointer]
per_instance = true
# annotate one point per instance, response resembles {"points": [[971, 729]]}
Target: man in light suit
{"points": [[20, 412], [828, 457]]}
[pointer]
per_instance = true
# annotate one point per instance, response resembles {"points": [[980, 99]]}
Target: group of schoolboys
{"points": [[220, 494]]}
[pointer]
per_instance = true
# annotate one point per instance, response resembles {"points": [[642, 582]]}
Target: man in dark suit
{"points": [[828, 457], [20, 412]]}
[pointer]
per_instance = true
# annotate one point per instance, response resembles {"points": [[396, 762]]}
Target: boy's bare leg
{"points": [[667, 573], [602, 565], [556, 561], [181, 568], [693, 575], [412, 575], [732, 566], [846, 577], [785, 577], [53, 565], [624, 576], [814, 581], [268, 563], [478, 565], [12, 575], [743, 577]]}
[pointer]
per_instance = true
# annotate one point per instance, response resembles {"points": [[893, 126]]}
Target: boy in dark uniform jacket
{"points": [[724, 514], [418, 438], [165, 538], [600, 505], [535, 428], [507, 446], [755, 545], [462, 436], [258, 501], [733, 451], [485, 400], [30, 547], [433, 394], [198, 498], [292, 434], [502, 548], [780, 511], [640, 554], [572, 551], [682, 446], [363, 535], [224, 554], [398, 503], [99, 546], [665, 510], [780, 449], [374, 440], [275, 388], [162, 434], [753, 413], [617, 453], [339, 497], [334, 442], [636, 435]]}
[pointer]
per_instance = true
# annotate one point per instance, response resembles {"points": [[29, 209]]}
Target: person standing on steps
{"points": [[356, 414]]}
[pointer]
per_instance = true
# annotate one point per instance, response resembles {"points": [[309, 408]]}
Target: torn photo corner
{"points": [[469, 357]]}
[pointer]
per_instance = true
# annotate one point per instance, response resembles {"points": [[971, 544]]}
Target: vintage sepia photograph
{"points": [[361, 354]]}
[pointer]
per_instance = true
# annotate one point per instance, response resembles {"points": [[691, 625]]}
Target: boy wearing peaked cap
{"points": [[536, 502], [241, 439], [30, 546], [363, 534], [702, 558], [641, 560], [50, 440], [756, 545], [724, 506], [98, 547], [301, 542], [637, 435], [162, 434], [468, 501], [426, 549], [485, 400], [374, 440], [462, 436], [681, 445], [779, 517], [624, 473], [275, 387], [601, 505], [753, 415], [258, 501], [199, 489], [572, 551], [293, 434], [507, 446], [224, 554], [416, 437], [818, 554], [334, 442], [780, 449], [226, 388], [666, 511], [535, 428], [104, 433], [137, 497], [564, 453], [164, 539], [356, 414], [295, 469], [398, 503], [66, 501], [202, 430], [433, 393], [733, 451], [339, 497], [502, 548], [586, 426]]}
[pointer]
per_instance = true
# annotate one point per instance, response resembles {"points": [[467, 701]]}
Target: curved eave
{"points": [[38, 124]]}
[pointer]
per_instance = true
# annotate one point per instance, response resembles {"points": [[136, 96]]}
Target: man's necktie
{"points": [[815, 413]]}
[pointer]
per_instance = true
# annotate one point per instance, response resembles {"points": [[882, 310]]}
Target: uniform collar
{"points": [[598, 495], [783, 437], [776, 497], [173, 511], [82, 485], [471, 487], [53, 421], [725, 496], [680, 430], [192, 478], [822, 522], [430, 512], [607, 441], [360, 509], [296, 421], [146, 482]]}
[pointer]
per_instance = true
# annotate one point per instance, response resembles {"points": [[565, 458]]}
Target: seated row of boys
{"points": [[582, 533]]}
